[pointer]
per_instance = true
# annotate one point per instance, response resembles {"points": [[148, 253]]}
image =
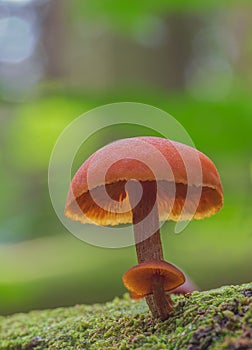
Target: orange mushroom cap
{"points": [[82, 194], [138, 279], [187, 287]]}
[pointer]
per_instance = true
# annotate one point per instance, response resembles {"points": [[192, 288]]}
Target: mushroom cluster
{"points": [[146, 180]]}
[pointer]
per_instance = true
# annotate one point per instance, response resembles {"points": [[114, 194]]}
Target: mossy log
{"points": [[215, 319]]}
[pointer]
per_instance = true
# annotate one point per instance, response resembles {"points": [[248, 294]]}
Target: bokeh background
{"points": [[60, 58]]}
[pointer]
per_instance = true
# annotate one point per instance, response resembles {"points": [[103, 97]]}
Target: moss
{"points": [[216, 319]]}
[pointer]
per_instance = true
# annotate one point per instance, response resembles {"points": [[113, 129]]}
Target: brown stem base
{"points": [[162, 303]]}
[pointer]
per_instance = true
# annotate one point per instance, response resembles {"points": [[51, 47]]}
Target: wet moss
{"points": [[216, 319]]}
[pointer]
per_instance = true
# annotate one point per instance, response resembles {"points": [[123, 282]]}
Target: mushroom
{"points": [[128, 181], [154, 278], [186, 288]]}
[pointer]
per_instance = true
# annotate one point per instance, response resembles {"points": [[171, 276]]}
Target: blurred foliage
{"points": [[36, 128], [127, 15]]}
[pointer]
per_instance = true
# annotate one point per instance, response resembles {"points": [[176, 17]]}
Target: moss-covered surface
{"points": [[216, 319]]}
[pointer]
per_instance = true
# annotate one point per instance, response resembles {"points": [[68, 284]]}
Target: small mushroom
{"points": [[154, 277], [187, 287], [119, 203]]}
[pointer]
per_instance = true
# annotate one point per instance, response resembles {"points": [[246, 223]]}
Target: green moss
{"points": [[216, 319]]}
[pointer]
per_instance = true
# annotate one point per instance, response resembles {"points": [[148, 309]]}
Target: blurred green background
{"points": [[61, 58]]}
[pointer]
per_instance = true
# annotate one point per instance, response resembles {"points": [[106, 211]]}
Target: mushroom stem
{"points": [[162, 300], [146, 227], [148, 242]]}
